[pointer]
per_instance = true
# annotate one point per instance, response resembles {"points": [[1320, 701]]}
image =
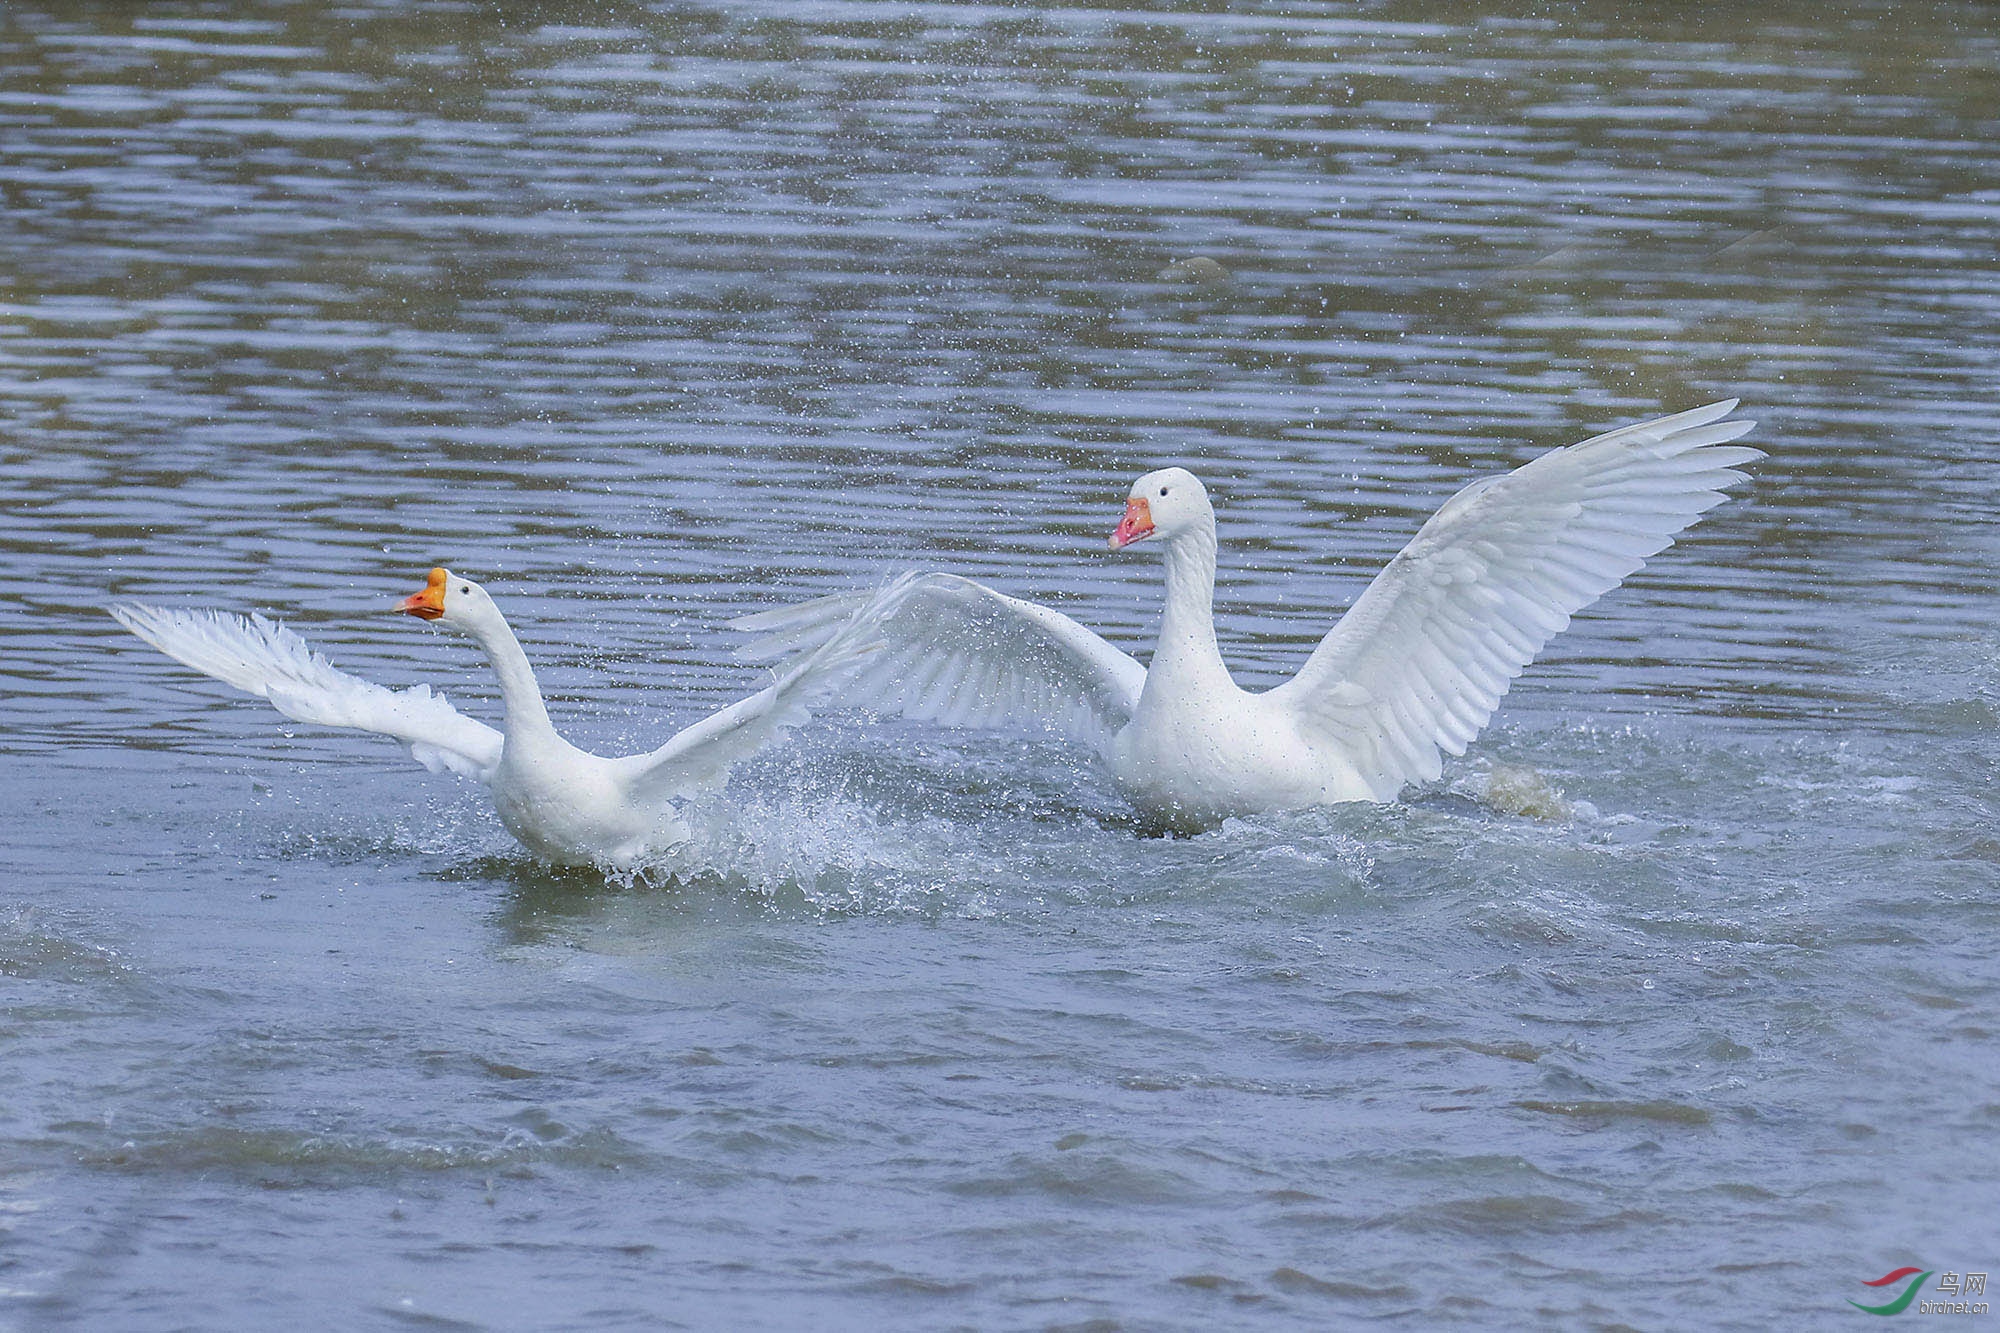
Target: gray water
{"points": [[652, 317]]}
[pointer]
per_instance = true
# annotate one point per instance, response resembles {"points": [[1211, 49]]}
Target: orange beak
{"points": [[428, 604], [1136, 526]]}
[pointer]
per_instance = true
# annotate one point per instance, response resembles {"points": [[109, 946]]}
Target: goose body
{"points": [[1190, 760], [1411, 672], [564, 804]]}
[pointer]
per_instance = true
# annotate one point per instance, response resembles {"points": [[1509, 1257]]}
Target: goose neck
{"points": [[1187, 630], [520, 693]]}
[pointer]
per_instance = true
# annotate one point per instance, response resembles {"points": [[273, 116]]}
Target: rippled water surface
{"points": [[1673, 1004]]}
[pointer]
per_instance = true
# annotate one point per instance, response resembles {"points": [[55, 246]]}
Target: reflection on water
{"points": [[649, 316]]}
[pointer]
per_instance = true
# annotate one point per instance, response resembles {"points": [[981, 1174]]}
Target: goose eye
{"points": [[1163, 492], [465, 588]]}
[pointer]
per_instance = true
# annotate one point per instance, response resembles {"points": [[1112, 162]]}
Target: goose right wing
{"points": [[959, 653], [263, 658], [700, 757]]}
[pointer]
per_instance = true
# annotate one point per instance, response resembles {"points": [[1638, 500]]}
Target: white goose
{"points": [[566, 805], [1415, 667]]}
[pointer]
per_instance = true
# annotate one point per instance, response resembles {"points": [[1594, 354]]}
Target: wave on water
{"points": [[368, 1154], [34, 948]]}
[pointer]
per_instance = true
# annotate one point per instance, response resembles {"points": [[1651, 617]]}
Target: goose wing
{"points": [[959, 653], [1421, 659], [699, 758], [263, 658]]}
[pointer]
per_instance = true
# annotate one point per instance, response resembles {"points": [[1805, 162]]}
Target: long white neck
{"points": [[522, 696], [1186, 656]]}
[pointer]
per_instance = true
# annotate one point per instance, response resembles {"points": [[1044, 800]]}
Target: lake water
{"points": [[652, 317]]}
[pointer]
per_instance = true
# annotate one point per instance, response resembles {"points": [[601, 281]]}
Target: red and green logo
{"points": [[1902, 1302]]}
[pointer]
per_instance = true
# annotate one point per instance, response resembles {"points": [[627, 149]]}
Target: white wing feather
{"points": [[700, 756], [959, 653], [1421, 659], [262, 658]]}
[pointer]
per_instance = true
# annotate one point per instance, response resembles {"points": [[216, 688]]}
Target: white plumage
{"points": [[564, 804], [1411, 672], [261, 657]]}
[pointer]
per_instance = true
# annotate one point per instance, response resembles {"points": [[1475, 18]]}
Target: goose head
{"points": [[1163, 504], [453, 599]]}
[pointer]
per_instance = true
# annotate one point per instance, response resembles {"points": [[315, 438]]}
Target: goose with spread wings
{"points": [[1410, 673], [564, 804]]}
